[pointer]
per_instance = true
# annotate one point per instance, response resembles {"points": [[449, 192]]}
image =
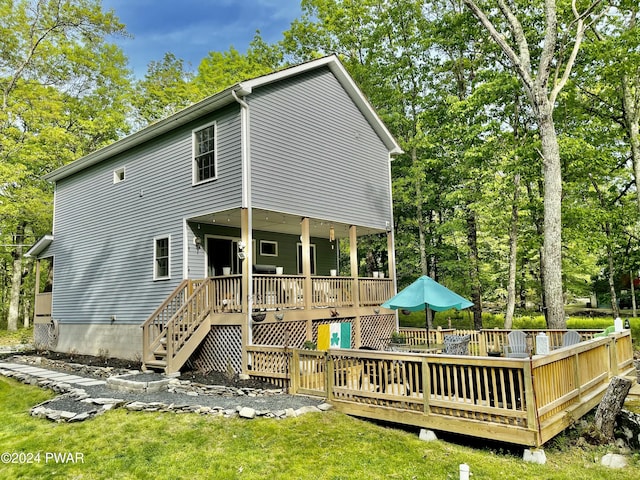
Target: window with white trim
{"points": [[204, 154], [161, 257], [118, 175], [268, 248]]}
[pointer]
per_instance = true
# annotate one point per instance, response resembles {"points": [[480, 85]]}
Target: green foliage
{"points": [[64, 91]]}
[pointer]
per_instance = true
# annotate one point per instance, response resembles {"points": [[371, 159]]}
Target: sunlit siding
{"points": [[104, 232], [314, 154]]}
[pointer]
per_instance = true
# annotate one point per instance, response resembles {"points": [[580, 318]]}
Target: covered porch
{"points": [[268, 278]]}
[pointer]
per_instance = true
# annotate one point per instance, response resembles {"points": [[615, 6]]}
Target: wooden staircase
{"points": [[173, 332]]}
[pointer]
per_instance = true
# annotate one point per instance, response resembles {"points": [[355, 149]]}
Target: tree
{"points": [[542, 91], [166, 88], [219, 70], [64, 93]]}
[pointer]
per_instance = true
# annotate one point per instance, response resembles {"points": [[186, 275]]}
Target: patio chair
{"points": [[605, 332], [570, 338], [456, 344], [516, 345]]}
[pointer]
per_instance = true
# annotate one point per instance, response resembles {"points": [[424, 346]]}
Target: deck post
{"points": [[37, 291], [246, 287], [330, 373], [482, 343], [533, 422], [613, 356], [306, 272], [294, 371], [426, 386], [353, 257]]}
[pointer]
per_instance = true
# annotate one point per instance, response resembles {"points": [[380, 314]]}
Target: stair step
{"points": [[156, 363]]}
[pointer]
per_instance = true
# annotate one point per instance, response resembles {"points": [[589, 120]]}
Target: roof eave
{"points": [[39, 246]]}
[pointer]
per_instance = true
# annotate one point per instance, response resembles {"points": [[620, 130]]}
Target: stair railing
{"points": [[154, 329], [187, 319]]}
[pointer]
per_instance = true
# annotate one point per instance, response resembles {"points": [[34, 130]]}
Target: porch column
{"points": [[246, 286], [37, 291], [353, 254], [391, 257], [306, 272]]}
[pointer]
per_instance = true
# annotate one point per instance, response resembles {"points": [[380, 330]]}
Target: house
{"points": [[218, 227]]}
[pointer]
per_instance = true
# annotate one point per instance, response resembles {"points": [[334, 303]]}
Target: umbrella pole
{"points": [[426, 323]]}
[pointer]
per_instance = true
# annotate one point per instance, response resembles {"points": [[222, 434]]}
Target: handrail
{"points": [[154, 328], [187, 319]]}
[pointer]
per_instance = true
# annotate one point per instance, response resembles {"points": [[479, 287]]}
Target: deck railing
{"points": [[273, 292], [375, 291], [522, 401]]}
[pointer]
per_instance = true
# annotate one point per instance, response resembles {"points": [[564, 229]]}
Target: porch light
{"points": [[332, 234], [197, 241]]}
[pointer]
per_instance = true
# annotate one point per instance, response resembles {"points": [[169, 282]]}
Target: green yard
{"points": [[123, 444]]}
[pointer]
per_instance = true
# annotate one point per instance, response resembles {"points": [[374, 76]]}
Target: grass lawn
{"points": [[138, 445]]}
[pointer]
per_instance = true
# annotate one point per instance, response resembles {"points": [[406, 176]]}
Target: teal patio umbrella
{"points": [[424, 294]]}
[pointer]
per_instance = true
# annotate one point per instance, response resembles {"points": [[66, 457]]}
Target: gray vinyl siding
{"points": [[104, 232], [313, 153]]}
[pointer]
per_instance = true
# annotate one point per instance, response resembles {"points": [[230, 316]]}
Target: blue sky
{"points": [[190, 29]]}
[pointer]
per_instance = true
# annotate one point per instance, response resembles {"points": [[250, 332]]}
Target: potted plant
{"points": [[398, 338], [309, 345]]}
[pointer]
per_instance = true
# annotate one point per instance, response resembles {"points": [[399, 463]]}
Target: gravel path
{"points": [[179, 395]]}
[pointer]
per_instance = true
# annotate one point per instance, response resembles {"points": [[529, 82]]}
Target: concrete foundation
{"points": [[111, 340]]}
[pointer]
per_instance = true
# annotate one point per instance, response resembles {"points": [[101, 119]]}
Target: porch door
{"points": [[222, 252]]}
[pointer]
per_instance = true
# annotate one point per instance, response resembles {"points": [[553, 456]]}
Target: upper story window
{"points": [[204, 154], [162, 256], [118, 175]]}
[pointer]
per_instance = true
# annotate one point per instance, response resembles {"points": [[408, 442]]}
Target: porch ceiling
{"points": [[277, 222]]}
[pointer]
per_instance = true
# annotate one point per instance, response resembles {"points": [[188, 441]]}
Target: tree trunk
{"points": [[513, 255], [16, 284], [474, 269], [611, 405], [612, 282], [552, 243], [420, 215], [632, 120]]}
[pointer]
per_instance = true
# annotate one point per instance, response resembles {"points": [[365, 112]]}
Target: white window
{"points": [[204, 154], [118, 175], [268, 248], [312, 249], [161, 258]]}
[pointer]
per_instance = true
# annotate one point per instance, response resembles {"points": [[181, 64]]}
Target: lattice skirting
{"points": [[375, 330], [45, 335], [220, 350], [291, 334]]}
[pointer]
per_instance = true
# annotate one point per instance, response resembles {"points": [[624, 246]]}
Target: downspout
{"points": [[246, 202]]}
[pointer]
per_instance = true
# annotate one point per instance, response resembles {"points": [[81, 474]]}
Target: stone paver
{"points": [[51, 375]]}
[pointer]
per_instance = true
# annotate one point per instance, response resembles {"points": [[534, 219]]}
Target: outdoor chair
{"points": [[516, 345], [605, 332], [570, 338], [456, 344]]}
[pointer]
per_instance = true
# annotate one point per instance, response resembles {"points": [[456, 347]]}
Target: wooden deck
{"points": [[180, 324], [520, 401]]}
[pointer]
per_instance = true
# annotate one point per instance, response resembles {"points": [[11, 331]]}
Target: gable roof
{"points": [[225, 97]]}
